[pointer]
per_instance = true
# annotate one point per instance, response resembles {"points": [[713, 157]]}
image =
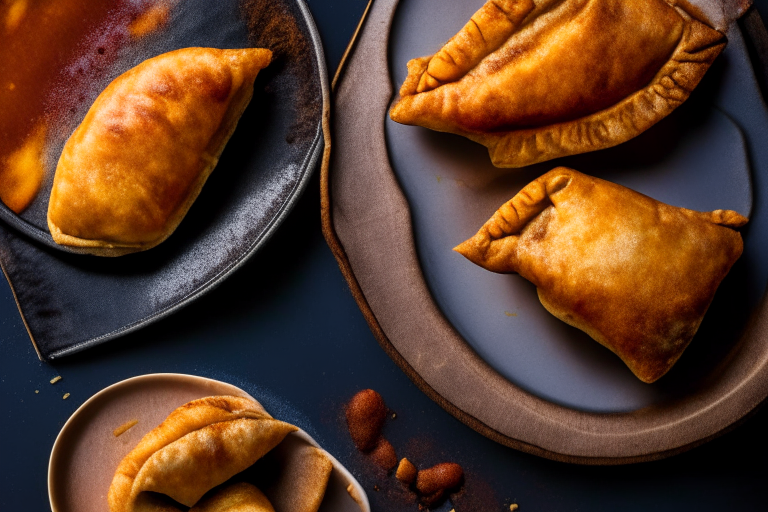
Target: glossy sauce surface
{"points": [[50, 50]]}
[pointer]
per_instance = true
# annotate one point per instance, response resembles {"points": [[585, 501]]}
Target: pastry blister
{"points": [[539, 79], [635, 274]]}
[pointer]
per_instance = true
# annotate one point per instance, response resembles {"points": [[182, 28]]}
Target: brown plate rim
{"points": [[540, 427]]}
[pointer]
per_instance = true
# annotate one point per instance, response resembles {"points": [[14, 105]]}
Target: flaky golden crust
{"points": [[199, 446], [571, 76], [132, 169], [635, 274]]}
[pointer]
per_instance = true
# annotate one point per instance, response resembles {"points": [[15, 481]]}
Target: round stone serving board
{"points": [[545, 388], [696, 158], [86, 452]]}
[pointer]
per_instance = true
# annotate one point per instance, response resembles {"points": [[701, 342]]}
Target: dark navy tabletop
{"points": [[286, 329]]}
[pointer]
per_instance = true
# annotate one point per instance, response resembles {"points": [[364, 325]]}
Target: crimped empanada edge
{"points": [[123, 482], [670, 88]]}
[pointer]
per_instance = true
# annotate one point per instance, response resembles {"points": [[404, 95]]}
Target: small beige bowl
{"points": [[86, 452]]}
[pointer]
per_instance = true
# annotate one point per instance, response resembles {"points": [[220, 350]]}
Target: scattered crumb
{"points": [[376, 488], [56, 379], [439, 179], [510, 314], [394, 415], [66, 395], [122, 429], [37, 391], [406, 471], [513, 507]]}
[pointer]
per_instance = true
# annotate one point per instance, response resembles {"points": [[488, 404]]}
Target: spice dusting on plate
{"points": [[56, 379], [271, 25], [122, 429]]}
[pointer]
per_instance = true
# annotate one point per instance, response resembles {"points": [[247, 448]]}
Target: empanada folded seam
{"points": [[533, 97], [635, 274], [216, 420], [619, 123]]}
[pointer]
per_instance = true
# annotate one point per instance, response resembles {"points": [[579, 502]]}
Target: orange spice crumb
{"points": [[122, 429]]}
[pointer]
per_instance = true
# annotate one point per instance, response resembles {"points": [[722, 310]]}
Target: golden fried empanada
{"points": [[539, 79], [137, 162], [199, 446], [240, 497], [635, 274]]}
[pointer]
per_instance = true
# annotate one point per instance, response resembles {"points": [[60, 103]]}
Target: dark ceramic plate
{"points": [[69, 301]]}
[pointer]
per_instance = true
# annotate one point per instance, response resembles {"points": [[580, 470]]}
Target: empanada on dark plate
{"points": [[130, 172], [635, 274], [534, 80]]}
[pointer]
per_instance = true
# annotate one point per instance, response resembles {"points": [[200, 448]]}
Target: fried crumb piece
{"points": [[513, 507], [376, 488], [37, 391], [406, 471], [56, 379], [394, 415], [122, 429], [66, 395]]}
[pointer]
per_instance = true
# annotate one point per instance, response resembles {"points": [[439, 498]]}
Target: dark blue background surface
{"points": [[286, 329]]}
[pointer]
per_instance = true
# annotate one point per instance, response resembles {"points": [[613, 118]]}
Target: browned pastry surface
{"points": [[538, 79], [635, 274], [137, 162], [199, 446]]}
